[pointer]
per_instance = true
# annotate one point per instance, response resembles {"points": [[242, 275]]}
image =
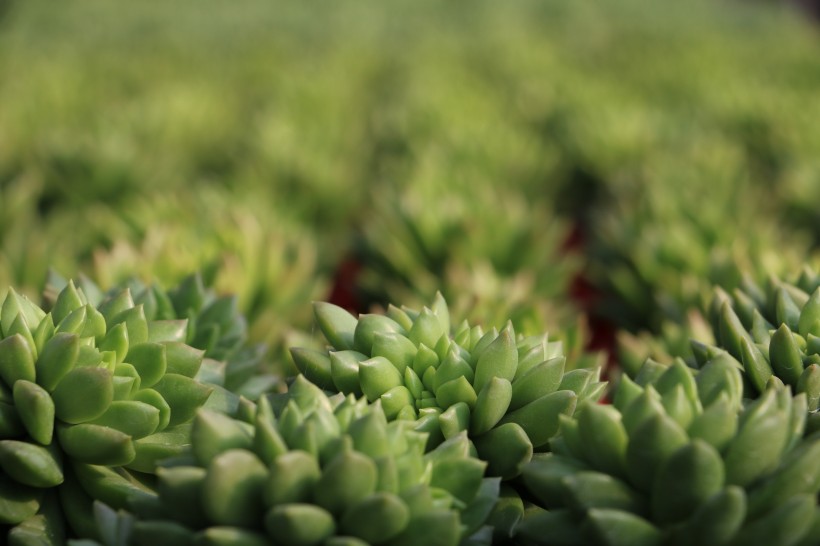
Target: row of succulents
{"points": [[132, 414], [122, 426]]}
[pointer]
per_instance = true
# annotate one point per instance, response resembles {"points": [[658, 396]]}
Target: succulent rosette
{"points": [[659, 248], [772, 331], [246, 246], [493, 253], [505, 391], [679, 459], [767, 332], [214, 324], [90, 398], [312, 470]]}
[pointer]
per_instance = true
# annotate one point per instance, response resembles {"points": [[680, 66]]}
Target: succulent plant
{"points": [[658, 251], [214, 325], [773, 331], [493, 253], [679, 459], [272, 263], [307, 469], [507, 392], [770, 331], [90, 398]]}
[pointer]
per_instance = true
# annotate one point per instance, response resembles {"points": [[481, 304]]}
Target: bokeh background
{"points": [[581, 167]]}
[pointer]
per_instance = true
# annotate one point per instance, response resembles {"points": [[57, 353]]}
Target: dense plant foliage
{"points": [[341, 273]]}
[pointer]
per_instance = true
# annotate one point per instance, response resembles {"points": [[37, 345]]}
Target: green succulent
{"points": [[307, 469], [507, 392], [91, 396], [271, 263], [772, 331], [679, 459], [658, 251], [214, 325], [493, 253], [769, 331]]}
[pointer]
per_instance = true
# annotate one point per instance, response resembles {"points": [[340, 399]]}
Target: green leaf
{"points": [[150, 361], [785, 524], [396, 348], [376, 519], [619, 528], [687, 479], [299, 524], [455, 420], [18, 502], [491, 405], [83, 394], [786, 309], [182, 359], [541, 379], [506, 448], [603, 438], [180, 489], [427, 329], [650, 445], [344, 371], [314, 365], [454, 391], [292, 477], [810, 316], [213, 433], [232, 490], [337, 325], [137, 419], [368, 327], [586, 490], [16, 360], [57, 358], [500, 359], [16, 305], [95, 444], [183, 395], [757, 448], [784, 356], [540, 419], [167, 331], [135, 322], [809, 383], [377, 376], [30, 464], [36, 410], [347, 479], [116, 340], [452, 367], [717, 425], [396, 400], [436, 528], [717, 520]]}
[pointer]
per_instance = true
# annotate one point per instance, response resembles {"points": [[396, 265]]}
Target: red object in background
{"points": [[587, 296], [343, 292]]}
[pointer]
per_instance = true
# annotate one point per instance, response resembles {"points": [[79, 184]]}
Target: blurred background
{"points": [[543, 161]]}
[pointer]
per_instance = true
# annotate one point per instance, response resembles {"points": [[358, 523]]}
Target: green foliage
{"points": [[679, 457], [208, 322], [94, 392], [317, 468], [505, 390], [493, 152], [493, 253]]}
